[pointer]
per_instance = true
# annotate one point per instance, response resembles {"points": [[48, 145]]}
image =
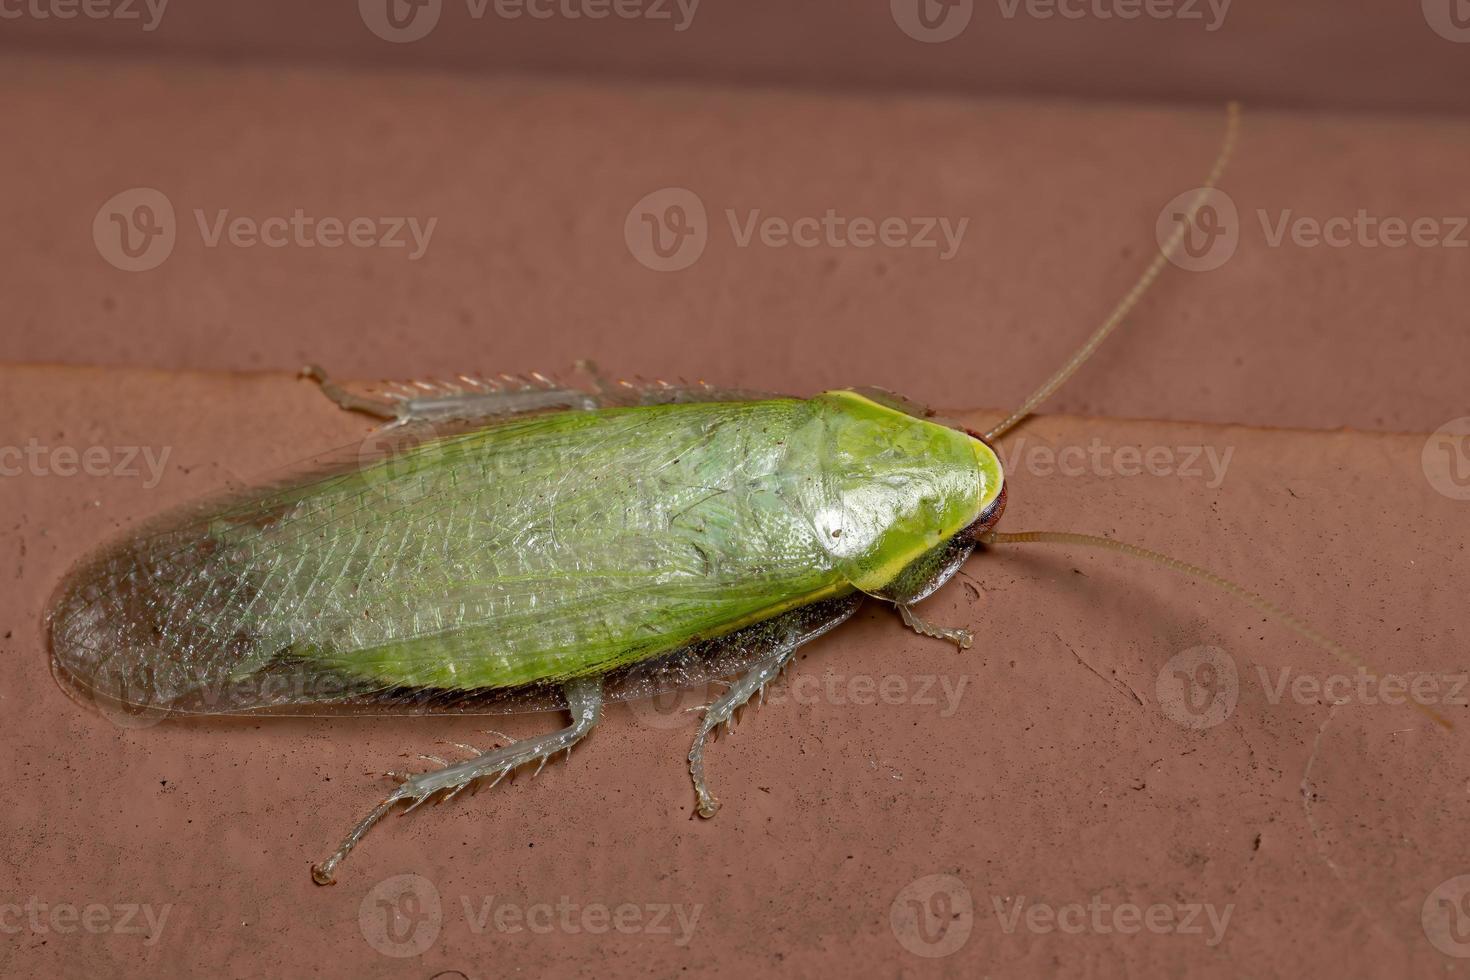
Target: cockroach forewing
{"points": [[174, 541], [279, 689], [733, 654], [691, 666]]}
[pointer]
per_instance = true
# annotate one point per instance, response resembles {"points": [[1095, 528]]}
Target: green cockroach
{"points": [[544, 545]]}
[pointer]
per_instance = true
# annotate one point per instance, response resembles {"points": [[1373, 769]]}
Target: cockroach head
{"points": [[989, 517]]}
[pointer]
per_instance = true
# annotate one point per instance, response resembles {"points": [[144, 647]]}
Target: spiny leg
{"points": [[722, 711], [584, 698], [381, 408], [960, 637], [464, 399]]}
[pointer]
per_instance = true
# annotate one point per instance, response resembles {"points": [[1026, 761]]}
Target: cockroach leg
{"points": [[961, 638], [477, 405], [379, 408], [464, 399], [600, 383], [584, 698], [722, 711]]}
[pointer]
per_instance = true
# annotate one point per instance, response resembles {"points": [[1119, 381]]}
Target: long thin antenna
{"points": [[1240, 592], [1129, 301]]}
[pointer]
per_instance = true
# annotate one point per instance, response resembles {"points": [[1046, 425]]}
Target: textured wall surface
{"points": [[1406, 55], [192, 212], [522, 190], [1059, 763]]}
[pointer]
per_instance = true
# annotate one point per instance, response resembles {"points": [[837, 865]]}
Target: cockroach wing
{"points": [[472, 571]]}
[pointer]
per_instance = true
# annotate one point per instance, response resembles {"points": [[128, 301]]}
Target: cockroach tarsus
{"points": [[731, 529]]}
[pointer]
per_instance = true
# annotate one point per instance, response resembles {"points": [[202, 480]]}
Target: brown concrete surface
{"points": [[1060, 775], [1377, 54], [531, 181]]}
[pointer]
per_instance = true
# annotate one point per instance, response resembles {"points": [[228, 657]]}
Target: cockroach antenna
{"points": [[1130, 299], [1120, 312]]}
